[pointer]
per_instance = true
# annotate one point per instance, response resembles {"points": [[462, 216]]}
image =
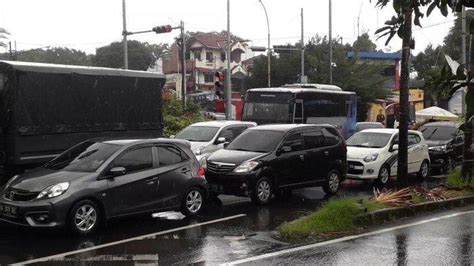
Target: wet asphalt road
{"points": [[238, 238]]}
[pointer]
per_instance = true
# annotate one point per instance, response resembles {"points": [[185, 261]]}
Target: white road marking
{"points": [[62, 255], [343, 239]]}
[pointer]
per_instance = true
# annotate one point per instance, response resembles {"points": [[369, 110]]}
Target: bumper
{"points": [[41, 213], [360, 170], [231, 184], [438, 160]]}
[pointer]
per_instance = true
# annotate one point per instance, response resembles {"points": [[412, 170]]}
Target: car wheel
{"points": [[424, 170], [384, 175], [193, 202], [333, 182], [262, 191], [84, 217]]}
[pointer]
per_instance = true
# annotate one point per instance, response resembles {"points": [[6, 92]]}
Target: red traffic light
{"points": [[162, 29]]}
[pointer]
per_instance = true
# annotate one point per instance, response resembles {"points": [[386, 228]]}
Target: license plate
{"points": [[8, 210]]}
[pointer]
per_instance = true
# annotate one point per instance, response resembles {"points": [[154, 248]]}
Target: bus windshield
{"points": [[268, 107]]}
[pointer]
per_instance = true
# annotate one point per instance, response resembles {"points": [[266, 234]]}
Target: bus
{"points": [[304, 104], [47, 108]]}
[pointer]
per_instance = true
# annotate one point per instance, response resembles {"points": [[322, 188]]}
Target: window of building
{"points": [[209, 57], [208, 77], [222, 57], [197, 56]]}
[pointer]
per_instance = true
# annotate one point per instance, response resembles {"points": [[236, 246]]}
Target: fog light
{"points": [[243, 186], [40, 218], [370, 171]]}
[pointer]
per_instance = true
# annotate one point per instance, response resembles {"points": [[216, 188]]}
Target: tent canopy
{"points": [[435, 113]]}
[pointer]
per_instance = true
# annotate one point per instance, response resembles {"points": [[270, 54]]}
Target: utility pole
{"points": [[183, 64], [11, 52], [302, 77], [124, 33], [228, 110], [402, 175], [330, 41], [269, 50]]}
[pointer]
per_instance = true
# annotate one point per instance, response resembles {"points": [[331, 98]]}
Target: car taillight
{"points": [[201, 172]]}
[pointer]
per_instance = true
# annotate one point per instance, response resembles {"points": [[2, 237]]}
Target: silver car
{"points": [[208, 137]]}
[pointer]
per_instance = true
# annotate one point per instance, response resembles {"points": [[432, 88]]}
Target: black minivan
{"points": [[274, 159]]}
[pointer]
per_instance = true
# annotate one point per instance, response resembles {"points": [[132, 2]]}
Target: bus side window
{"points": [[298, 114], [349, 109]]}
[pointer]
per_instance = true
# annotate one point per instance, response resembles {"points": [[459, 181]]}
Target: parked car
{"points": [[208, 137], [274, 159], [372, 154], [445, 141], [95, 181], [366, 125]]}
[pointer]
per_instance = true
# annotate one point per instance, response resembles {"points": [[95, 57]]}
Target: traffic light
{"points": [[162, 29], [219, 83]]}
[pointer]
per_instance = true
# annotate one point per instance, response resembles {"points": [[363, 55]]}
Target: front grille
{"points": [[219, 168], [355, 168], [19, 195]]}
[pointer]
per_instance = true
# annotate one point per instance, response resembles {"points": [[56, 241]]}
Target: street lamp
{"points": [[269, 50]]}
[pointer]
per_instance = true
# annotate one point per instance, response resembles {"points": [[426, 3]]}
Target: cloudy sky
{"points": [[88, 24]]}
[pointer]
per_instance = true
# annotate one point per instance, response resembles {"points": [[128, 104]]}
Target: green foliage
{"points": [[364, 44], [141, 55], [335, 216], [455, 179], [3, 35], [56, 55], [175, 118]]}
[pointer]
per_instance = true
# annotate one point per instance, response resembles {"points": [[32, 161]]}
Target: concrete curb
{"points": [[386, 215]]}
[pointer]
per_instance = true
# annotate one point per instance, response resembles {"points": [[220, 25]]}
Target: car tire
{"points": [[384, 175], [262, 192], [193, 202], [84, 217], [424, 170], [333, 182]]}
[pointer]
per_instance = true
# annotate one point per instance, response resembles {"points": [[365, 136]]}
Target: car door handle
{"points": [[185, 170], [326, 153], [302, 157], [152, 181]]}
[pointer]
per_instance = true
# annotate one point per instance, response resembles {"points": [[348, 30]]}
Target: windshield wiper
{"points": [[358, 145]]}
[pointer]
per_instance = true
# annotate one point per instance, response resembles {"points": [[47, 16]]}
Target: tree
{"points": [[3, 35], [141, 55], [56, 55], [364, 44], [452, 41], [401, 24]]}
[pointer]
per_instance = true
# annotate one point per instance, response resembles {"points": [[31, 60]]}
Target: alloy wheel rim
{"points": [[333, 182], [424, 169], [194, 201], [263, 190], [85, 218], [384, 175]]}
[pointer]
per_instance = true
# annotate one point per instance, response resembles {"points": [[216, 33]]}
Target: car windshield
{"points": [[360, 127], [438, 133], [198, 133], [85, 157], [256, 141], [369, 140]]}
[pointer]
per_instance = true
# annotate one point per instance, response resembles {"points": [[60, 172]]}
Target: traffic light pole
{"points": [[124, 33], [183, 64]]}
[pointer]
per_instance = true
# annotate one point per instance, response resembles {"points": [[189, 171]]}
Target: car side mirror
{"points": [[172, 136], [220, 140], [117, 171], [394, 147], [284, 149], [226, 144]]}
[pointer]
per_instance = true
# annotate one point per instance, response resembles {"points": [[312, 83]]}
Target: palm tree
{"points": [[3, 35]]}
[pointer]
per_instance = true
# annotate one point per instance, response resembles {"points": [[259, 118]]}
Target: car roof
{"points": [[222, 123], [287, 127], [131, 142], [442, 124], [386, 130], [369, 123]]}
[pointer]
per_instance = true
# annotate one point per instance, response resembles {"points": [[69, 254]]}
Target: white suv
{"points": [[373, 154]]}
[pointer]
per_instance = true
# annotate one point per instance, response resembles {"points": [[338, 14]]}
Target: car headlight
{"points": [[203, 162], [441, 148], [199, 151], [246, 167], [371, 157], [53, 191], [11, 181]]}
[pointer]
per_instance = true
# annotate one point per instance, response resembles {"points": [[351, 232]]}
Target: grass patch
{"points": [[335, 216], [417, 199], [455, 179]]}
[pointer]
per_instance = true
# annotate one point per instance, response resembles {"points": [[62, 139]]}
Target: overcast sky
{"points": [[88, 24]]}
